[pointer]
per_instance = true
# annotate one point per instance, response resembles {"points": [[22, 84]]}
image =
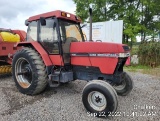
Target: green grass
{"points": [[144, 69], [135, 67]]}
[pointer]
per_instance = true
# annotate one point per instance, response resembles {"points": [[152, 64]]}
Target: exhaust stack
{"points": [[90, 19]]}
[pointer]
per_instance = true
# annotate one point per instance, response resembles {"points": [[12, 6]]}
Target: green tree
{"points": [[138, 15], [128, 11], [150, 10], [98, 8]]}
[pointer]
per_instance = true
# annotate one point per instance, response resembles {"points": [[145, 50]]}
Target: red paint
{"points": [[56, 13], [96, 47], [7, 48], [128, 62], [106, 65], [1, 39], [48, 59], [57, 60], [81, 61], [21, 33], [40, 50]]}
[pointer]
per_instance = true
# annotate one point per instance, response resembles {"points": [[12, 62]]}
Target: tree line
{"points": [[140, 17]]}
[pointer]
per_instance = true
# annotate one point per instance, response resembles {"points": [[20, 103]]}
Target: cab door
{"points": [[49, 39]]}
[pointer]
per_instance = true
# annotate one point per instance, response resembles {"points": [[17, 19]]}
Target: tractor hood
{"points": [[102, 55], [98, 47]]}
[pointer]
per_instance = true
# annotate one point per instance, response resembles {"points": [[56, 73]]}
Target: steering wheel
{"points": [[71, 39]]}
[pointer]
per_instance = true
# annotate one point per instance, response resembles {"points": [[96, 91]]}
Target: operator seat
{"points": [[66, 49]]}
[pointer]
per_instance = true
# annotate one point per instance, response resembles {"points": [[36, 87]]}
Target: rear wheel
{"points": [[99, 98], [125, 87], [29, 72]]}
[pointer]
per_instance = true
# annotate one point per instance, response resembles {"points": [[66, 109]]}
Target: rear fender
{"points": [[39, 49]]}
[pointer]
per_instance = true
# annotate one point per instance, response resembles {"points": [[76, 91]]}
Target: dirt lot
{"points": [[64, 103]]}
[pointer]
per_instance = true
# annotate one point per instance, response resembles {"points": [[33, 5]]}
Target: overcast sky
{"points": [[13, 13]]}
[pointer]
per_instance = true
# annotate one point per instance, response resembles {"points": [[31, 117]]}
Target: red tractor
{"points": [[55, 52]]}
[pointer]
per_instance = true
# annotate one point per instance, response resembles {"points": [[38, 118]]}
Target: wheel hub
{"points": [[23, 73], [97, 100], [28, 72]]}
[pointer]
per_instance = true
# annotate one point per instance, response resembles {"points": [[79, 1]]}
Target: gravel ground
{"points": [[64, 103]]}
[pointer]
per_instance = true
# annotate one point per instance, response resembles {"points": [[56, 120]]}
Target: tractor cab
{"points": [[55, 31]]}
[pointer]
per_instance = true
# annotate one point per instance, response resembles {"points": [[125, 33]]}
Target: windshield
{"points": [[70, 30]]}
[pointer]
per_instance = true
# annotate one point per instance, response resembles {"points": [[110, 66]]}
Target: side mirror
{"points": [[26, 22], [42, 21]]}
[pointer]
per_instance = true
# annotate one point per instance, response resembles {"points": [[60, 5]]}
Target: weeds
{"points": [[149, 53]]}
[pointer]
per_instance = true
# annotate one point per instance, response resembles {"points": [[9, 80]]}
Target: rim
{"points": [[23, 72], [97, 100]]}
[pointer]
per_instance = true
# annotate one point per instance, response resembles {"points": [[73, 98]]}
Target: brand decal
{"points": [[95, 54]]}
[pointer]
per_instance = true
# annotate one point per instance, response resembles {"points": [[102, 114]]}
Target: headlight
{"points": [[123, 55]]}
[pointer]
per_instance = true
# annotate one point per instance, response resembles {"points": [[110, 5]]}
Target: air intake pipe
{"points": [[90, 19]]}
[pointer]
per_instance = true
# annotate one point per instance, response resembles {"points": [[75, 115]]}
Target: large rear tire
{"points": [[29, 71], [99, 98], [125, 87]]}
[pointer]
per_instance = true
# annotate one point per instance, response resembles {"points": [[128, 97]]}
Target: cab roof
{"points": [[58, 14]]}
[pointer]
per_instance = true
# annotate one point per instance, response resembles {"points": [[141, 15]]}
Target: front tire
{"points": [[125, 87], [99, 98], [29, 72]]}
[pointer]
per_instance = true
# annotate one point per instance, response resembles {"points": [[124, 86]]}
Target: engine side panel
{"points": [[106, 65], [106, 59]]}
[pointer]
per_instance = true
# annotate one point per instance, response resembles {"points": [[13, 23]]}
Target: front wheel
{"points": [[99, 98], [125, 87], [29, 72]]}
